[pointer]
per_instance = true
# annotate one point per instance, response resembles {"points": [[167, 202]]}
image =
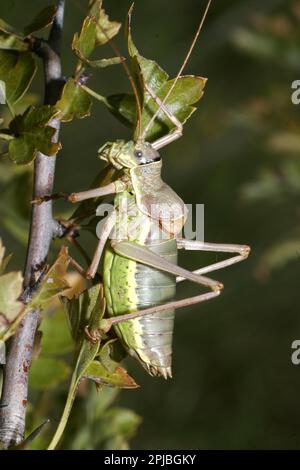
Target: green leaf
{"points": [[186, 92], [11, 286], [17, 70], [43, 19], [74, 102], [10, 291], [46, 373], [119, 378], [84, 43], [111, 354], [12, 42], [5, 263], [123, 107], [106, 29], [80, 309], [106, 370], [32, 134], [56, 334], [96, 30], [53, 283], [103, 63]]}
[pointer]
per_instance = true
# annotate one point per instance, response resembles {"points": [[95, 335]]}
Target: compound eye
{"points": [[138, 153]]}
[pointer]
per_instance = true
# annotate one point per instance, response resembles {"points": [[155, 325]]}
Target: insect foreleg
{"points": [[93, 193], [103, 237], [105, 232], [242, 250], [174, 135], [110, 188]]}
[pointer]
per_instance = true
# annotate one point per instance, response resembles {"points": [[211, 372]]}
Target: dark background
{"points": [[234, 385]]}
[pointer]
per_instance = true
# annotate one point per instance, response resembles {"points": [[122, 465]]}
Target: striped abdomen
{"points": [[131, 286]]}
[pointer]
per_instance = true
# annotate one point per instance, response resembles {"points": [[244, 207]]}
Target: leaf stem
{"points": [[66, 412]]}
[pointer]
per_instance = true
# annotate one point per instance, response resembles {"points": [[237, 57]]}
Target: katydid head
{"points": [[144, 153], [129, 154]]}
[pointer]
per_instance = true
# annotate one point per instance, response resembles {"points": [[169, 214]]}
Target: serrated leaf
{"points": [[96, 30], [186, 92], [12, 42], [84, 43], [53, 283], [119, 378], [106, 29], [33, 134], [46, 373], [74, 102], [106, 370], [17, 70], [43, 19]]}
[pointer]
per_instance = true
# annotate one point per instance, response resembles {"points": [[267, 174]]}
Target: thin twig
{"points": [[42, 228]]}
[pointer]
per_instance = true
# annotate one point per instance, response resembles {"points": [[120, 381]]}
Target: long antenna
{"points": [[150, 123], [131, 80]]}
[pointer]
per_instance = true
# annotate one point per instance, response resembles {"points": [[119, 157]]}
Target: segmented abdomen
{"points": [[131, 286]]}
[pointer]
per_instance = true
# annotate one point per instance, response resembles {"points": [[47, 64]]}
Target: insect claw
{"points": [[246, 251], [166, 372], [157, 371]]}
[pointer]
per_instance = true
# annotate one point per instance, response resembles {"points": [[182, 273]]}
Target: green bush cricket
{"points": [[140, 270]]}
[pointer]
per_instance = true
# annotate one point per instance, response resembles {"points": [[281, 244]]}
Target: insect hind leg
{"points": [[241, 253]]}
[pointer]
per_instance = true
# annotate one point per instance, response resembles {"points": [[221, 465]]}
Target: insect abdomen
{"points": [[131, 286]]}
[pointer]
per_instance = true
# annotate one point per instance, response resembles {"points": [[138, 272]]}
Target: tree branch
{"points": [[15, 389]]}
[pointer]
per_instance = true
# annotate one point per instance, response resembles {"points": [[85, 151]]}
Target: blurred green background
{"points": [[234, 385]]}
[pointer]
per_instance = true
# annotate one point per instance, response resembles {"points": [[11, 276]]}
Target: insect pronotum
{"points": [[140, 271]]}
